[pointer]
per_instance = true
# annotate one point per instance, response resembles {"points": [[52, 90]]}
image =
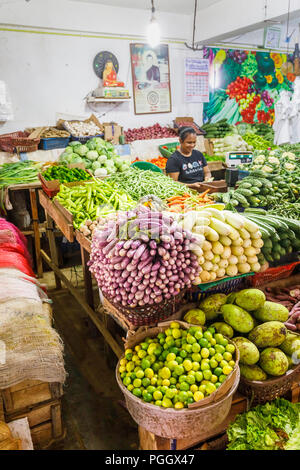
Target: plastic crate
{"points": [[54, 143], [171, 148], [273, 274], [84, 139], [221, 286]]}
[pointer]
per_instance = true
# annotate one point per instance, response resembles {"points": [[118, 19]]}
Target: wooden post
{"points": [[89, 297], [36, 233], [53, 249]]}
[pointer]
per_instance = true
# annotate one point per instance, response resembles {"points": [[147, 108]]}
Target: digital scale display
{"points": [[237, 158]]}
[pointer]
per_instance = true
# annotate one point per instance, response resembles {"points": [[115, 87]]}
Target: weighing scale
{"points": [[237, 158], [233, 159]]}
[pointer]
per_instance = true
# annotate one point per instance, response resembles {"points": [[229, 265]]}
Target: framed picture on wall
{"points": [[150, 78]]}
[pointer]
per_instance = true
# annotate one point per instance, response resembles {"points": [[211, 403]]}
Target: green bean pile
{"points": [[139, 183]]}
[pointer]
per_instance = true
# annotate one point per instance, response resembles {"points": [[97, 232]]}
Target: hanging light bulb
{"points": [[153, 31]]}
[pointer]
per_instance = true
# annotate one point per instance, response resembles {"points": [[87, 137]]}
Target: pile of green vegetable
{"points": [[295, 148], [216, 130], [281, 235], [273, 161], [17, 173], [93, 199], [258, 142], [98, 156], [264, 130], [139, 183], [230, 143], [259, 189], [272, 426], [287, 209], [65, 175]]}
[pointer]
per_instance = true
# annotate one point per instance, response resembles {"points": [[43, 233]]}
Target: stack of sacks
{"points": [[30, 349]]}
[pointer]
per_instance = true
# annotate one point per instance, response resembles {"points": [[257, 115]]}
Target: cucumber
{"points": [[255, 190], [256, 211], [245, 192], [255, 182], [240, 198], [292, 224], [272, 232], [244, 185]]}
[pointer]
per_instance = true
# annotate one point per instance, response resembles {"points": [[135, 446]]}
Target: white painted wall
{"points": [[50, 74]]}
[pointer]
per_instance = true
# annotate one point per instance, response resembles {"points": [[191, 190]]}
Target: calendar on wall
{"points": [[196, 80]]}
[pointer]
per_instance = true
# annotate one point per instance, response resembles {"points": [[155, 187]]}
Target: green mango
{"points": [[253, 372], [269, 334], [290, 344], [239, 319], [250, 299], [271, 311], [223, 328], [249, 354], [273, 361], [212, 304]]}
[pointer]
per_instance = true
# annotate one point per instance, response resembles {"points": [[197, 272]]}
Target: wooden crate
{"points": [[45, 422], [62, 218], [29, 393]]}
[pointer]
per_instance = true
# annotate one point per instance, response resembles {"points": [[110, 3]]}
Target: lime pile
{"points": [[177, 367]]}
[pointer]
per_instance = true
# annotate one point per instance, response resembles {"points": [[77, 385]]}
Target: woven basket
{"points": [[199, 418], [146, 315], [18, 141], [260, 392]]}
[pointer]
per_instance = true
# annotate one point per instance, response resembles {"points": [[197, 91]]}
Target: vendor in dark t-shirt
{"points": [[187, 165]]}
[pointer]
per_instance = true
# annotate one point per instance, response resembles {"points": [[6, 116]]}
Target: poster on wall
{"points": [[196, 74], [245, 85], [150, 79]]}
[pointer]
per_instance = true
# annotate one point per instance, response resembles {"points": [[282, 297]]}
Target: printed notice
{"points": [[196, 80]]}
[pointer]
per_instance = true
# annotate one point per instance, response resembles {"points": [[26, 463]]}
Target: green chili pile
{"points": [[93, 199]]}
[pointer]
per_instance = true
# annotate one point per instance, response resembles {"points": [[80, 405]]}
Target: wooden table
{"points": [[57, 215], [36, 229]]}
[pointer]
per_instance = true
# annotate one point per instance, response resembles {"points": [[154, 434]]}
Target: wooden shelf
{"points": [[107, 100]]}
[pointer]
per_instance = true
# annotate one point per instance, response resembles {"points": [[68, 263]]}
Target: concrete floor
{"points": [[93, 414]]}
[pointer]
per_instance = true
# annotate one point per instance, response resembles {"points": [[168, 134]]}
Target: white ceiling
{"points": [[171, 6]]}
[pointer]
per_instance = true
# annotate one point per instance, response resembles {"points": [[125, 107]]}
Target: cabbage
{"points": [[92, 155], [91, 144], [100, 172], [76, 159], [74, 143], [68, 150], [96, 165], [102, 159], [81, 150]]}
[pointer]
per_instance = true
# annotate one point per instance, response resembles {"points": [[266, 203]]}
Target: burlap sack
{"points": [[31, 349]]}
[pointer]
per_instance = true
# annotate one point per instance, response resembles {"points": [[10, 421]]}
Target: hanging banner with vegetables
{"points": [[245, 85], [150, 79]]}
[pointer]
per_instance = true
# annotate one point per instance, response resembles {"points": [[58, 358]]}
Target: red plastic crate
{"points": [[273, 274]]}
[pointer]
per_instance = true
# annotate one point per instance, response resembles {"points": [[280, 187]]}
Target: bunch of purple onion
{"points": [[141, 257]]}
